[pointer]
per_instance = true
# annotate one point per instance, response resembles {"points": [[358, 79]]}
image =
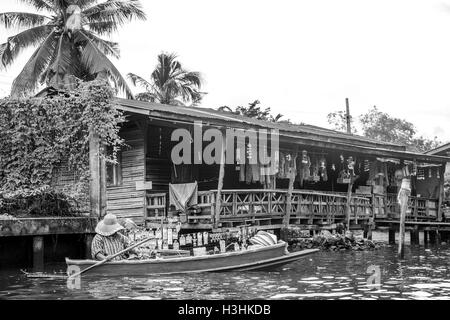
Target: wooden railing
{"points": [[250, 204]]}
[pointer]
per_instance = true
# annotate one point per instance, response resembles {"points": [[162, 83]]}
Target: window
{"points": [[114, 171]]}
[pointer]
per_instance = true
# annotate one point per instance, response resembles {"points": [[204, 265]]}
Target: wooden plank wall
{"points": [[159, 165], [124, 200]]}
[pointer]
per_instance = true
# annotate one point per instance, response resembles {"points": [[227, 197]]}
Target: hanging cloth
{"points": [[248, 173], [183, 195], [255, 172], [304, 169], [323, 169]]}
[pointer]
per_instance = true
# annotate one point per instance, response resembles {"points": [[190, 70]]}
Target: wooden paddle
{"points": [[109, 258]]}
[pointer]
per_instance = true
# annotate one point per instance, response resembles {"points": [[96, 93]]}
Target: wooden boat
{"points": [[251, 259]]}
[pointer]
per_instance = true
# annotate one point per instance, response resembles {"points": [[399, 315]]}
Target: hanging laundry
{"points": [[420, 173], [183, 195], [323, 169], [315, 170], [281, 167], [276, 165], [255, 172], [242, 172], [414, 169], [304, 169], [366, 165], [351, 165], [405, 171], [248, 173], [385, 173], [288, 165], [182, 240]]}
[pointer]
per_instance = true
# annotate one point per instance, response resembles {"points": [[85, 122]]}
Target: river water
{"points": [[423, 274]]}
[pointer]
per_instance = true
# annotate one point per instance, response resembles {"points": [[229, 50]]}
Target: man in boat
{"points": [[109, 240]]}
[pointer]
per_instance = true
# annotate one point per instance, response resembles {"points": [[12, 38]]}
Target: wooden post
{"points": [[432, 235], [103, 195], [347, 116], [220, 182], [95, 172], [38, 253], [292, 173], [143, 126], [287, 215], [349, 199], [391, 234], [425, 237], [403, 196], [441, 192], [415, 235], [87, 245], [369, 231]]}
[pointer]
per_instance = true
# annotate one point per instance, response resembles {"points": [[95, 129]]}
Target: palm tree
{"points": [[170, 83], [67, 36]]}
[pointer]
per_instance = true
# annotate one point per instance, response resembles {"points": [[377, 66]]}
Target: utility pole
{"points": [[347, 116]]}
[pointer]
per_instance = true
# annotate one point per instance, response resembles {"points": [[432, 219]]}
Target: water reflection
{"points": [[424, 274]]}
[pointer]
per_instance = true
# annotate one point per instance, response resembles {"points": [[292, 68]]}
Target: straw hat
{"points": [[108, 225]]}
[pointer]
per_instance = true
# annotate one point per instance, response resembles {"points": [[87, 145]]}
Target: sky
{"points": [[302, 58]]}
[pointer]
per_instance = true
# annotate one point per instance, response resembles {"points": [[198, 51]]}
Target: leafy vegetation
{"points": [[338, 120], [381, 126], [170, 83], [42, 134], [253, 111], [67, 37]]}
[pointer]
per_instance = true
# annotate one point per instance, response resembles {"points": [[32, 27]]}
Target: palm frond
{"points": [[116, 11], [192, 78], [40, 4], [22, 19], [147, 96], [173, 84], [84, 4], [139, 81], [15, 44], [28, 78], [61, 63], [102, 27], [96, 61], [108, 48]]}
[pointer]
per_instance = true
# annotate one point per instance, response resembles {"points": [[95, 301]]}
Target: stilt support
{"points": [[38, 253]]}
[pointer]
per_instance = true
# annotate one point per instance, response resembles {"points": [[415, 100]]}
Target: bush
{"points": [[40, 134], [40, 202]]}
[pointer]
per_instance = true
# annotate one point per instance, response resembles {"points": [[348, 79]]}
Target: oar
{"points": [[109, 258]]}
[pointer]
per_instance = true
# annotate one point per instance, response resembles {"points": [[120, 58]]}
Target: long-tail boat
{"points": [[254, 258]]}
